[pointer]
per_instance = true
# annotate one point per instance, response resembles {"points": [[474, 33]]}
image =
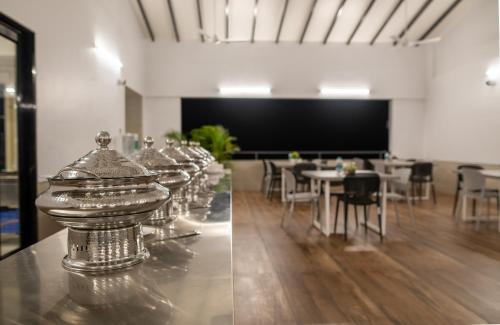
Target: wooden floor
{"points": [[435, 272]]}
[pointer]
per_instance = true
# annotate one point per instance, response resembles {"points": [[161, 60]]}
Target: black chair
{"points": [[275, 176], [421, 173], [360, 189], [460, 180], [297, 172], [263, 182]]}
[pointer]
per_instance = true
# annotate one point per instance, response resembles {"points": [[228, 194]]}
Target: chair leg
{"points": [[345, 219], [488, 208], [271, 190], [420, 192], [481, 208], [498, 205], [396, 209], [269, 185], [413, 193], [366, 218], [285, 206], [356, 215], [410, 209], [433, 189], [464, 207], [336, 216], [474, 207], [379, 215], [455, 200]]}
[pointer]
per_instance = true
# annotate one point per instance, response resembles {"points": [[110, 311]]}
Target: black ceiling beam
{"points": [[282, 20], [146, 20], [363, 16], [334, 20], [309, 16], [174, 22], [226, 14], [412, 21], [386, 21], [439, 20], [254, 24], [200, 21]]}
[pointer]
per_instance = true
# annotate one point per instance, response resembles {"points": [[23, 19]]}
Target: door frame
{"points": [[26, 127]]}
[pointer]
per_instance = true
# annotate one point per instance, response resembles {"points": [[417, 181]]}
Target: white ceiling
{"points": [[269, 13]]}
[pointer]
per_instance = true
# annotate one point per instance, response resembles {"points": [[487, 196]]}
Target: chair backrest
{"points": [[360, 163], [403, 180], [421, 170], [403, 175], [362, 185], [290, 181], [266, 168], [273, 168], [473, 180], [298, 168], [379, 167], [460, 167]]}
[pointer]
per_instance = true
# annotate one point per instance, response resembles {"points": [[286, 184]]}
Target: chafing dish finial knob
{"points": [[148, 142], [184, 142], [169, 142], [103, 139]]}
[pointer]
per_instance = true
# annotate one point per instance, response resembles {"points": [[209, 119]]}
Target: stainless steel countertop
{"points": [[184, 281]]}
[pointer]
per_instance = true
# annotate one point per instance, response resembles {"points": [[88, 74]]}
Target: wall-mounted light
{"points": [[107, 56], [10, 90], [344, 91], [245, 90], [493, 75]]}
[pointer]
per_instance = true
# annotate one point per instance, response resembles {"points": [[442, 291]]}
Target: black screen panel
{"points": [[294, 124]]}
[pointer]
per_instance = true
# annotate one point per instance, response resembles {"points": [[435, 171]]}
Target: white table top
{"points": [[491, 173], [333, 175], [286, 163], [393, 162]]}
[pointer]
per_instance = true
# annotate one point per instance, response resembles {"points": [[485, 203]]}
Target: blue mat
{"points": [[9, 221]]}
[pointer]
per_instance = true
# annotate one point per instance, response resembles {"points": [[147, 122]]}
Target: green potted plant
{"points": [[294, 156], [217, 140], [350, 168]]}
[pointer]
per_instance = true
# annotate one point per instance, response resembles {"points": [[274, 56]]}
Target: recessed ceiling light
{"points": [[344, 91], [245, 90]]}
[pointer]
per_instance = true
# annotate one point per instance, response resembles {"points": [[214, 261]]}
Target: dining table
{"points": [[325, 178], [289, 164], [493, 174], [389, 165]]}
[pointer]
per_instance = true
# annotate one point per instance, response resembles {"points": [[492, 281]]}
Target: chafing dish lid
{"points": [[103, 163], [152, 159], [171, 173]]}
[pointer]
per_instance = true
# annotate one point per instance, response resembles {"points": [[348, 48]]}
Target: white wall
{"points": [[196, 70], [462, 118], [407, 129], [77, 93], [160, 115]]}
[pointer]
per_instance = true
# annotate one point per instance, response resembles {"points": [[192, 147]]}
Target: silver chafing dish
{"points": [[195, 145], [102, 198], [204, 195], [187, 163], [171, 175], [197, 157]]}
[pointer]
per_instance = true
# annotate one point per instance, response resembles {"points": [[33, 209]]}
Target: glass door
{"points": [[9, 177], [18, 179]]}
